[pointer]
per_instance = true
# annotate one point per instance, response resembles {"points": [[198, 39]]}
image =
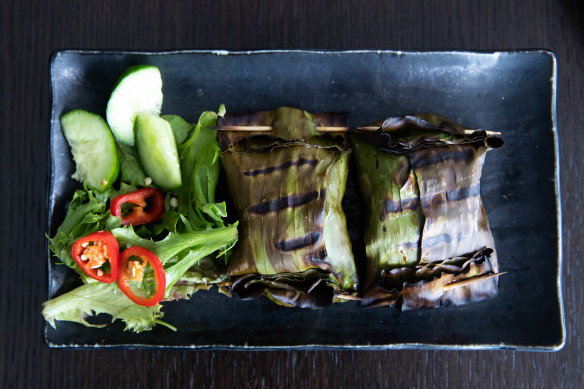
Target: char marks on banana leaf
{"points": [[307, 289], [456, 281], [421, 178], [392, 201], [287, 186]]}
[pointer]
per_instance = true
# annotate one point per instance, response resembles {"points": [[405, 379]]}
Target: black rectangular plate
{"points": [[511, 92]]}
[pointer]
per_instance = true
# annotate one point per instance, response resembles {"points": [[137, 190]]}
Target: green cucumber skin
{"points": [[138, 91], [157, 151], [93, 148]]}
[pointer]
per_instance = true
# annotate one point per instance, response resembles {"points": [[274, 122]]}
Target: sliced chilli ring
{"points": [[93, 252], [139, 214], [131, 270]]}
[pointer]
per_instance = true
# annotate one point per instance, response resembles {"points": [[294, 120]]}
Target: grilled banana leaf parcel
{"points": [[282, 123], [287, 185], [427, 240]]}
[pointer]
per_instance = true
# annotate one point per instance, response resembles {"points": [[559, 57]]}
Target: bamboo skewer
{"points": [[246, 128], [331, 129], [326, 129], [488, 132], [470, 281], [348, 297], [339, 129]]}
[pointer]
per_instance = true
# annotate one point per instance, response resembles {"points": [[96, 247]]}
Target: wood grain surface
{"points": [[31, 30]]}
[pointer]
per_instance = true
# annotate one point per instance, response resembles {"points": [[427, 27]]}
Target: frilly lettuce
{"points": [[95, 298], [195, 230], [177, 252]]}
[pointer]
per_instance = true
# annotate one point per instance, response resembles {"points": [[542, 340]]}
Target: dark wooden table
{"points": [[31, 30]]}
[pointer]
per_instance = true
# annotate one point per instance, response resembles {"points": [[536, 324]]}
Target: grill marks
{"points": [[281, 203], [463, 154], [424, 160], [299, 243], [429, 242], [299, 162], [280, 196], [441, 204], [451, 195], [440, 196], [463, 193], [438, 239], [390, 206]]}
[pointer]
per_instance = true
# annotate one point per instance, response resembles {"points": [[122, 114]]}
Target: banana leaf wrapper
{"points": [[285, 122], [392, 201], [421, 177], [204, 275], [456, 281], [404, 134], [294, 246]]}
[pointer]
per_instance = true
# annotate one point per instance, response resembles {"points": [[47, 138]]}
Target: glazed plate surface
{"points": [[510, 92]]}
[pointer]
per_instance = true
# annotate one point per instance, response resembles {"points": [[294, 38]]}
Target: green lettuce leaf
{"points": [[95, 298], [180, 127], [86, 214], [200, 166], [130, 167], [179, 252]]}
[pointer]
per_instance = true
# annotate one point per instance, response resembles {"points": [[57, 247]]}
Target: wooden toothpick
{"points": [[470, 281], [326, 129], [246, 128]]}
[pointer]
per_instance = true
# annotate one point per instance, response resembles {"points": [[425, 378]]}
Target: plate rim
{"points": [[392, 346]]}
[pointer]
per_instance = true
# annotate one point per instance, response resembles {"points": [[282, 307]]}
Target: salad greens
{"points": [[199, 155], [95, 298], [130, 169], [180, 127], [185, 239], [178, 252], [87, 213]]}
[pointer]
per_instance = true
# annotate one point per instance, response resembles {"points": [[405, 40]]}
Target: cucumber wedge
{"points": [[157, 151], [93, 148], [139, 91]]}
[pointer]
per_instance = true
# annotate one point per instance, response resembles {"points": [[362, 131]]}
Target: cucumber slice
{"points": [[139, 91], [157, 151], [93, 148]]}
